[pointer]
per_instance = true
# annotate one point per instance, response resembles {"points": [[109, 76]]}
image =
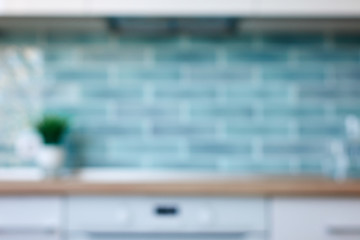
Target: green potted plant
{"points": [[52, 154]]}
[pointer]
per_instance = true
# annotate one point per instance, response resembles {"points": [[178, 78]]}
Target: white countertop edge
{"points": [[21, 174], [108, 175], [116, 175], [131, 175]]}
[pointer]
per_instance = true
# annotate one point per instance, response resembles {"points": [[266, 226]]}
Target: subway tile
{"points": [[343, 111], [180, 164], [312, 166], [227, 75], [113, 55], [68, 38], [188, 92], [329, 56], [214, 111], [80, 74], [264, 56], [298, 148], [110, 130], [148, 41], [269, 167], [294, 40], [19, 38], [158, 74], [113, 162], [188, 55], [114, 93], [263, 93], [334, 93], [321, 129], [59, 56], [70, 110], [145, 149], [265, 129], [293, 74], [239, 41], [189, 130], [217, 148], [298, 111], [347, 40], [139, 111], [344, 73]]}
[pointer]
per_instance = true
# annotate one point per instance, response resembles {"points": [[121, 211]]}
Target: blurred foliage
{"points": [[52, 128]]}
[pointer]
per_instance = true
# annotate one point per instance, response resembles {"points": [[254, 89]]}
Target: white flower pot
{"points": [[50, 158]]}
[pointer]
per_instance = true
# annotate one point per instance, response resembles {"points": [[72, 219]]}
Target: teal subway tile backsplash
{"points": [[347, 40], [80, 74], [329, 56], [75, 38], [206, 100], [190, 92], [19, 38], [251, 129], [293, 40], [213, 111], [113, 55], [161, 73], [258, 56], [209, 74], [281, 112], [188, 130], [242, 41], [343, 72], [219, 148], [185, 55], [300, 73]]}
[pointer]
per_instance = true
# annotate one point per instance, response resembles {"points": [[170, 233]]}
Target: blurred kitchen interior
{"points": [[179, 120]]}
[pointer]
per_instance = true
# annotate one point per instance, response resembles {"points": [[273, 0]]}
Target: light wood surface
{"points": [[263, 187]]}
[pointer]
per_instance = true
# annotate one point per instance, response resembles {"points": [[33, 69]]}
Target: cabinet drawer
{"points": [[39, 214], [316, 219], [169, 214]]}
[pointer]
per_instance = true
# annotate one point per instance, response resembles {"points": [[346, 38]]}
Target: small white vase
{"points": [[50, 158]]}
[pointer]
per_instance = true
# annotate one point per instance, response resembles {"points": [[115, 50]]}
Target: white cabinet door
{"points": [[30, 218], [171, 7], [158, 214], [43, 7], [308, 8], [165, 218], [315, 219]]}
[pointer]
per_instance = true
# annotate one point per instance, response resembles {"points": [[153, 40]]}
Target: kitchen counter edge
{"points": [[264, 187]]}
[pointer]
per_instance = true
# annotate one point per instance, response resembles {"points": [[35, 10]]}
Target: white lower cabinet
{"points": [[30, 218], [315, 219], [166, 218], [178, 218]]}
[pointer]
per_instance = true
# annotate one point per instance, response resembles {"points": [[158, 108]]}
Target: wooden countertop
{"points": [[261, 187]]}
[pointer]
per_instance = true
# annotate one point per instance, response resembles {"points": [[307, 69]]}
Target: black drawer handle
{"points": [[166, 211], [344, 230]]}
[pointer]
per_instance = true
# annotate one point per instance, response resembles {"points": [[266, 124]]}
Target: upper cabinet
{"points": [[42, 7], [309, 8], [171, 7], [183, 8]]}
